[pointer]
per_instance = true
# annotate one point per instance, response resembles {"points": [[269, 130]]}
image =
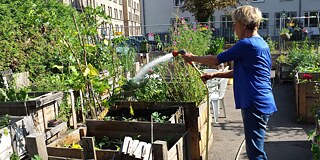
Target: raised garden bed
{"points": [[194, 117], [283, 73], [306, 97], [173, 134], [42, 107], [12, 137]]}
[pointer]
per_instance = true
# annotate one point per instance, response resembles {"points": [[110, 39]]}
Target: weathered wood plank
{"points": [[191, 121], [160, 150], [35, 144], [88, 148]]}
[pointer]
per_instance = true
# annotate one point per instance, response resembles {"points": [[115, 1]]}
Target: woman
{"points": [[251, 73]]}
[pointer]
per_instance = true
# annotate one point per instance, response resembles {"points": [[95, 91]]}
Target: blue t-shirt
{"points": [[251, 73]]}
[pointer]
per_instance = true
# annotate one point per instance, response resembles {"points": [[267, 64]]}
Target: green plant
{"points": [[302, 56], [216, 46], [160, 45], [285, 31], [13, 94], [193, 38], [283, 59], [4, 121], [36, 157], [144, 46], [109, 143], [156, 116], [14, 156], [272, 45]]}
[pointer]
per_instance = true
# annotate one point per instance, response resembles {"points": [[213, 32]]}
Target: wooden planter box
{"points": [[12, 137], [174, 149], [306, 98], [43, 108], [283, 73], [194, 117], [274, 57]]}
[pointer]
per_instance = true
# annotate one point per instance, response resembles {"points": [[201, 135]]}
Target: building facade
{"points": [[278, 14], [125, 15]]}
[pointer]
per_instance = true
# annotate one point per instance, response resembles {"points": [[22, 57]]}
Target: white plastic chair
{"points": [[213, 88]]}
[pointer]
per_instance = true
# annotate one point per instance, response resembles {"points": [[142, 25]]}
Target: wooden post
{"points": [[192, 113], [36, 145], [73, 110], [88, 148], [160, 150]]}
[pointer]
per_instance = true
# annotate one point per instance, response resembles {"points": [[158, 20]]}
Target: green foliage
{"points": [[272, 45], [204, 9], [216, 46], [193, 38], [13, 94], [36, 157], [156, 116], [302, 56], [109, 143], [14, 156], [144, 46], [4, 121], [30, 33]]}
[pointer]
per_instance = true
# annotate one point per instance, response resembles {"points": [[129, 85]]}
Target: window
{"points": [[103, 8], [311, 21], [110, 11], [115, 1], [177, 3], [226, 21], [116, 13], [130, 16], [283, 14], [120, 2], [138, 7], [264, 24], [120, 14], [129, 3]]}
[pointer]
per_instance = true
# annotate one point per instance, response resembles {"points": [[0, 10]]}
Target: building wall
{"points": [[271, 7], [119, 11], [157, 14]]}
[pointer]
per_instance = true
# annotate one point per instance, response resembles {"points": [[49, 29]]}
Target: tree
{"points": [[203, 9]]}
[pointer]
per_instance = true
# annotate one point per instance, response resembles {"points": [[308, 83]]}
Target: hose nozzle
{"points": [[175, 53]]}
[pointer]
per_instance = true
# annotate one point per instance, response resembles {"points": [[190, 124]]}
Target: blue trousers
{"points": [[255, 126]]}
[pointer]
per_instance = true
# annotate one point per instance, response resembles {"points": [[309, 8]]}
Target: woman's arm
{"points": [[207, 76], [207, 60]]}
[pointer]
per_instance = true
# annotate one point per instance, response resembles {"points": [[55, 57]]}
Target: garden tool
{"points": [[175, 53]]}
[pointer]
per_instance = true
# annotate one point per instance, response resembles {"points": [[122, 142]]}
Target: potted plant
{"points": [[285, 34]]}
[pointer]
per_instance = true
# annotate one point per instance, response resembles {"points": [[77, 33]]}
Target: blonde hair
{"points": [[247, 15]]}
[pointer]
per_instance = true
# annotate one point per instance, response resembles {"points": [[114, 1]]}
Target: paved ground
{"points": [[286, 139]]}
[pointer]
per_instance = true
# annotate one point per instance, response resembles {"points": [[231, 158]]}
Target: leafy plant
{"points": [[271, 44], [216, 46], [4, 121], [36, 157], [13, 94], [14, 156], [109, 143], [156, 116], [285, 31]]}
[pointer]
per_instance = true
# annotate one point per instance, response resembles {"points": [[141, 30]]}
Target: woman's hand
{"points": [[187, 57], [206, 76]]}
